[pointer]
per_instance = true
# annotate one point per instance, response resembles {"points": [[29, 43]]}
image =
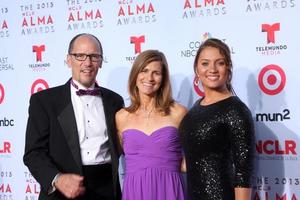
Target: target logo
{"points": [[1, 93], [39, 85], [271, 79], [198, 87]]}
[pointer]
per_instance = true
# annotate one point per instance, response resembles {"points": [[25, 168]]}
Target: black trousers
{"points": [[98, 182]]}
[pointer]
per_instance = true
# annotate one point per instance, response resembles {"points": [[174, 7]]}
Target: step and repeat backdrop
{"points": [[263, 36]]}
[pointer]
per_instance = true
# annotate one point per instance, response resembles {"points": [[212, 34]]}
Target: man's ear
{"points": [[68, 60]]}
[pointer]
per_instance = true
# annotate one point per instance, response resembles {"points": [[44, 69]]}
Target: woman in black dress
{"points": [[217, 133]]}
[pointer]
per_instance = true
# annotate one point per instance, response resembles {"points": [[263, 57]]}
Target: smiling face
{"points": [[84, 72], [212, 69], [149, 79]]}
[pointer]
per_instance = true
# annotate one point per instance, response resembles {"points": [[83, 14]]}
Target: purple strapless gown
{"points": [[152, 165]]}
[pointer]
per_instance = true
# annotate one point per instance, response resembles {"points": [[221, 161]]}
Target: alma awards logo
{"points": [[32, 188], [269, 5], [4, 31], [203, 8], [6, 189], [36, 18], [84, 15], [135, 13]]}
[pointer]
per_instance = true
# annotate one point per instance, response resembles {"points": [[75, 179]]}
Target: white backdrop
{"points": [[262, 34]]}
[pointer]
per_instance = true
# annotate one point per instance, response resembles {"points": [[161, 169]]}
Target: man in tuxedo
{"points": [[71, 143]]}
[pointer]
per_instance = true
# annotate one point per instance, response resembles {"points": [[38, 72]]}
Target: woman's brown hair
{"points": [[164, 98]]}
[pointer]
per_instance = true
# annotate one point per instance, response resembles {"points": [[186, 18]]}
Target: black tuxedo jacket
{"points": [[52, 142]]}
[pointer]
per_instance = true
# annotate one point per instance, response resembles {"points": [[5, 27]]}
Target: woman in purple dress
{"points": [[148, 132]]}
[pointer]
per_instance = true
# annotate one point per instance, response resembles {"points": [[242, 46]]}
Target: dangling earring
{"points": [[196, 80]]}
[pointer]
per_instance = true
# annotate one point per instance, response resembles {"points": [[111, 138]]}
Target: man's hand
{"points": [[70, 185]]}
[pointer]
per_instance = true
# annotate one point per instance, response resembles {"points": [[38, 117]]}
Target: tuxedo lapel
{"points": [[109, 114], [67, 121], [68, 124]]}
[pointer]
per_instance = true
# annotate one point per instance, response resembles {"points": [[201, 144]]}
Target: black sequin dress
{"points": [[218, 141]]}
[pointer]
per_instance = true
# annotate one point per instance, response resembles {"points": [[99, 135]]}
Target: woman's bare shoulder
{"points": [[122, 112], [121, 115], [178, 109]]}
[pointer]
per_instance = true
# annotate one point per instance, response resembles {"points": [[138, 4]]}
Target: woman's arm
{"points": [[183, 165], [120, 119], [242, 140], [242, 193], [179, 112]]}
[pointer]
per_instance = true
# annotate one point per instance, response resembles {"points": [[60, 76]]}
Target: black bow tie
{"points": [[81, 92]]}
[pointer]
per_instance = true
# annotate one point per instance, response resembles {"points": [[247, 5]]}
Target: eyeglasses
{"points": [[83, 57]]}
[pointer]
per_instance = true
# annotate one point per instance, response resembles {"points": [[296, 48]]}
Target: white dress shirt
{"points": [[91, 126]]}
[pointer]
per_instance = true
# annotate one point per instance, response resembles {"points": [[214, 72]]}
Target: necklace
{"points": [[148, 114]]}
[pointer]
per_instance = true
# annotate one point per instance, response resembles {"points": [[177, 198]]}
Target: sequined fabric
{"points": [[218, 141]]}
